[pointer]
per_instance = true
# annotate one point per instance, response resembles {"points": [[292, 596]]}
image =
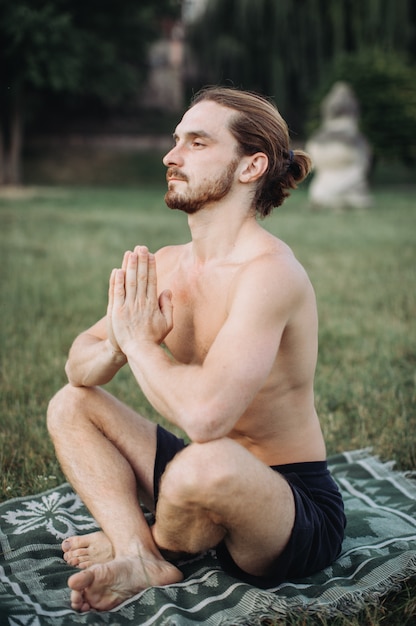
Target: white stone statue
{"points": [[341, 154]]}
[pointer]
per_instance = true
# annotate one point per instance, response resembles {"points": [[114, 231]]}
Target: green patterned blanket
{"points": [[379, 553]]}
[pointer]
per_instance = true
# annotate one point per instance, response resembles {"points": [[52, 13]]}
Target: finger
{"points": [[125, 260], [142, 272], [111, 292], [131, 276], [138, 249], [119, 293], [152, 279], [166, 306]]}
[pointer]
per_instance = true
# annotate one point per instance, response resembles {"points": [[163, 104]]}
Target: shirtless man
{"points": [[237, 314]]}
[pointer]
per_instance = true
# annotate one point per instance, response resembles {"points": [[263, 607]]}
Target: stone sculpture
{"points": [[340, 153]]}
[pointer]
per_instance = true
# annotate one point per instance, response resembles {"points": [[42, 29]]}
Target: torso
{"points": [[280, 426]]}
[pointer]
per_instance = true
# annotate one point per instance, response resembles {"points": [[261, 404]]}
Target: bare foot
{"points": [[104, 586], [87, 550]]}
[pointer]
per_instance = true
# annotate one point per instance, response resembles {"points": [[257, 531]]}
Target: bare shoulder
{"points": [[274, 268]]}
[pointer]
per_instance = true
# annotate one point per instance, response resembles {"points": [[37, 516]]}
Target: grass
{"points": [[58, 246]]}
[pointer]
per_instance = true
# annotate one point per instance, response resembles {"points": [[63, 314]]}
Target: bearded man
{"points": [[221, 336]]}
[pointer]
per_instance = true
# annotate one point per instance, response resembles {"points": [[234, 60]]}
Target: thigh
{"points": [[260, 516], [254, 503], [132, 434]]}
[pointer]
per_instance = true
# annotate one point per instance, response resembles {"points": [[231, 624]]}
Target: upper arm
{"points": [[243, 353]]}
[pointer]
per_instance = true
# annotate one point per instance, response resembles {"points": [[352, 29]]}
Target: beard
{"points": [[209, 191]]}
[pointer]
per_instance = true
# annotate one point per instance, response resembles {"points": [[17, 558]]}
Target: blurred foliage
{"points": [[93, 50], [284, 49], [96, 47], [385, 86]]}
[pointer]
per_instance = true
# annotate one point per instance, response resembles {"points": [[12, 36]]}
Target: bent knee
{"points": [[200, 472], [64, 405]]}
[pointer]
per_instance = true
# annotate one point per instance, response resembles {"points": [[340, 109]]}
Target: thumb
{"points": [[166, 306]]}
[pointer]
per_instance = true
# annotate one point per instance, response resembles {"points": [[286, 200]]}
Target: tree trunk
{"points": [[15, 147], [11, 135], [2, 157]]}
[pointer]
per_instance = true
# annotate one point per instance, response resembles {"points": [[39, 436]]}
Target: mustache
{"points": [[173, 172]]}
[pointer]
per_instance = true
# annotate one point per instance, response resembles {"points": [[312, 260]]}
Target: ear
{"points": [[253, 167]]}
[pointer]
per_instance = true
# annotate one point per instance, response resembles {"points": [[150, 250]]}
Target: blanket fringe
{"points": [[343, 607]]}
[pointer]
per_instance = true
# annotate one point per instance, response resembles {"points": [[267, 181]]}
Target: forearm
{"points": [[92, 361], [150, 366], [183, 393]]}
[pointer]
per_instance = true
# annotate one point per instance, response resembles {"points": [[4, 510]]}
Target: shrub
{"points": [[385, 86]]}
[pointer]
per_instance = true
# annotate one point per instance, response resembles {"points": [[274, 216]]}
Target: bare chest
{"points": [[201, 307]]}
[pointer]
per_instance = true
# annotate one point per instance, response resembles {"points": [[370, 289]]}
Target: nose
{"points": [[173, 157]]}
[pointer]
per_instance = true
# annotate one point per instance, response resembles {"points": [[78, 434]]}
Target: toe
{"points": [[81, 580], [77, 600], [78, 603], [66, 545], [76, 557]]}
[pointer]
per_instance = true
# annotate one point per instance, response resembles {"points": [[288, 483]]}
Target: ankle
{"points": [[137, 549]]}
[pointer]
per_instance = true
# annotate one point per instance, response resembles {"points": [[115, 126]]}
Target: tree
{"points": [[284, 48], [85, 48], [386, 89]]}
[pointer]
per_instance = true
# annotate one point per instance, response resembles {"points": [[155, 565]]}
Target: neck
{"points": [[217, 229]]}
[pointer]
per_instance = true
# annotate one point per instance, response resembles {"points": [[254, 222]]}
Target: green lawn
{"points": [[58, 246]]}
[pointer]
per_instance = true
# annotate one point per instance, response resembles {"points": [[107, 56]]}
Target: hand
{"points": [[110, 332], [137, 313]]}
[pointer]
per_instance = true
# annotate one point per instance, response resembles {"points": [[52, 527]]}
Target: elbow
{"points": [[72, 380], [68, 373], [204, 424], [201, 435]]}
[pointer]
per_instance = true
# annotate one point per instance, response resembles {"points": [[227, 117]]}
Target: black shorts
{"points": [[319, 526]]}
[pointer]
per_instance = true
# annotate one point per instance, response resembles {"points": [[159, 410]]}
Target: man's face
{"points": [[203, 162]]}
